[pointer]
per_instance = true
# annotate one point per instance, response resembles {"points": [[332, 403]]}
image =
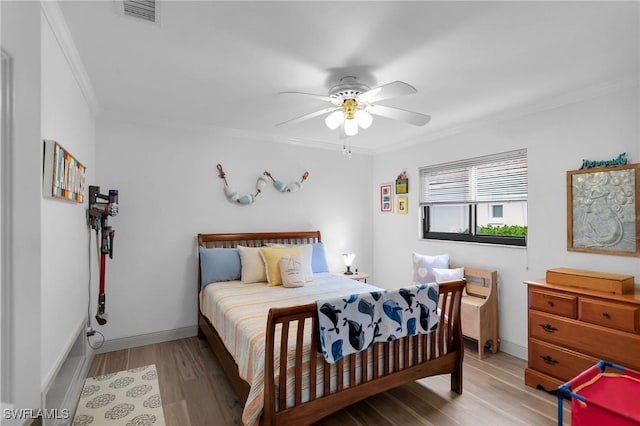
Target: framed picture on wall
{"points": [[603, 211], [63, 175], [386, 197], [402, 204]]}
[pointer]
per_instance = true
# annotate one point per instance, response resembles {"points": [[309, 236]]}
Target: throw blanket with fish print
{"points": [[353, 323]]}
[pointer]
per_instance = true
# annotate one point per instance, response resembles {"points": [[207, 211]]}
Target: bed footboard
{"points": [[331, 387]]}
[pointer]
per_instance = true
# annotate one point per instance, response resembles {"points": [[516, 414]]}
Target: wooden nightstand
{"points": [[359, 276]]}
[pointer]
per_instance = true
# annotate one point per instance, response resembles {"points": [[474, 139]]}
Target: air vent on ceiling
{"points": [[145, 10]]}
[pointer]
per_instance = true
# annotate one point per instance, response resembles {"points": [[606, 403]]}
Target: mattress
{"points": [[239, 312]]}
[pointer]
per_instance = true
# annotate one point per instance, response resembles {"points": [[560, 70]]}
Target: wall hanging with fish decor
{"points": [[262, 181]]}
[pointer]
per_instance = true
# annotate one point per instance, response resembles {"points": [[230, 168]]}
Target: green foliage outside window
{"points": [[512, 230]]}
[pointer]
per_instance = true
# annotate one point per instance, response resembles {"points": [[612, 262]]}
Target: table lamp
{"points": [[348, 261]]}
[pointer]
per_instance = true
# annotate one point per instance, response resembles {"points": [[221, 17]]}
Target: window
{"points": [[481, 199], [496, 212]]}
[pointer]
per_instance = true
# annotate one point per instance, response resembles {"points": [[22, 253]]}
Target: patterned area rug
{"points": [[125, 398]]}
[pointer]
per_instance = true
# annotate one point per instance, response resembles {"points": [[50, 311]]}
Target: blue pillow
{"points": [[319, 261], [219, 264]]}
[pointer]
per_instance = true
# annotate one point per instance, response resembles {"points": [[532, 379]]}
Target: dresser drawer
{"points": [[614, 315], [594, 340], [558, 362], [565, 305]]}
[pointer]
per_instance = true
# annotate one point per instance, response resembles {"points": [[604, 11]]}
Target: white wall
{"points": [[21, 40], [67, 119], [170, 191], [557, 139]]}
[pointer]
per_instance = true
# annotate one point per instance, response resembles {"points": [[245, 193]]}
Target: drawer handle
{"points": [[606, 315], [548, 328], [548, 359], [550, 303]]}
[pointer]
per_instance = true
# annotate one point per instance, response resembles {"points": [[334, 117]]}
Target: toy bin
{"points": [[605, 394]]}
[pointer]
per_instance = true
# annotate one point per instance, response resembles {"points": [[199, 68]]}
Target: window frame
{"points": [[472, 206], [471, 236]]}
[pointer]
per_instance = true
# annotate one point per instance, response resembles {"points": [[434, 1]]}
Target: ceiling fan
{"points": [[354, 104]]}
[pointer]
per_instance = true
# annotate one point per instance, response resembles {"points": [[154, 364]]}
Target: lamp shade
{"points": [[350, 127], [363, 118], [334, 120], [348, 258]]}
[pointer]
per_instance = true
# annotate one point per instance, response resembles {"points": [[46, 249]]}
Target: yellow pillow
{"points": [[271, 257]]}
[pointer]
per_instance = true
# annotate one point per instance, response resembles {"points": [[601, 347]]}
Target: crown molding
{"points": [[222, 132], [58, 24], [546, 104]]}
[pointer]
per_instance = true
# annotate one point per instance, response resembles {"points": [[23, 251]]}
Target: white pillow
{"points": [[291, 271], [306, 257], [444, 275], [423, 266], [253, 270]]}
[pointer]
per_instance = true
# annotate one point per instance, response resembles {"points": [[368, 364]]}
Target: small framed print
{"points": [[386, 197], [402, 186], [402, 205]]}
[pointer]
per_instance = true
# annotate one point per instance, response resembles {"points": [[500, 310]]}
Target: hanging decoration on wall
{"points": [[620, 160], [234, 196], [63, 176], [262, 181], [292, 187], [402, 183]]}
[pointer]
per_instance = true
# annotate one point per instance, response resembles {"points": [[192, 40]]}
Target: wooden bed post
{"points": [[458, 344]]}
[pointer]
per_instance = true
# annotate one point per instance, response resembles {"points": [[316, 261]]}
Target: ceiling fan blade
{"points": [[311, 95], [386, 91], [308, 116], [411, 117]]}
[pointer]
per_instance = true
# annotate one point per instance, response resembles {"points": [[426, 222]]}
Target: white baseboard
{"points": [[147, 339], [514, 349], [73, 394], [63, 385]]}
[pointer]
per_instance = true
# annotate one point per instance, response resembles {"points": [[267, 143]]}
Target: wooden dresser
{"points": [[570, 329]]}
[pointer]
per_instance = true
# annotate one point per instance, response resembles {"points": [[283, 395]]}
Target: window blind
{"points": [[499, 177]]}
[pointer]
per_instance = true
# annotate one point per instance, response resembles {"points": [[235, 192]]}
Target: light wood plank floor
{"points": [[195, 392]]}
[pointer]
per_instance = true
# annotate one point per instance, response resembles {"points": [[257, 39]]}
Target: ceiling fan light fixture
{"points": [[353, 105], [363, 118], [349, 107], [334, 120], [350, 127]]}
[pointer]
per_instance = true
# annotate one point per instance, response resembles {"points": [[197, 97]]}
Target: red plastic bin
{"points": [[605, 394]]}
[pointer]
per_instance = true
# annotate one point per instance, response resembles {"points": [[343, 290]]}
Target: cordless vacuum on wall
{"points": [[100, 208]]}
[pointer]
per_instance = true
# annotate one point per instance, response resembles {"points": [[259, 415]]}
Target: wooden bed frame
{"points": [[393, 363]]}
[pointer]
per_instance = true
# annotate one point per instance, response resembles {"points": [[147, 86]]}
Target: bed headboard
{"points": [[258, 239], [255, 239]]}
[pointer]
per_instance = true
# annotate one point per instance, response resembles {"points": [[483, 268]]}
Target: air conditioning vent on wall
{"points": [[145, 10]]}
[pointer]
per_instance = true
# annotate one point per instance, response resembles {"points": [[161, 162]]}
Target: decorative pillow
{"points": [[423, 266], [218, 264], [444, 275], [319, 261], [271, 257], [306, 257], [291, 271], [252, 265]]}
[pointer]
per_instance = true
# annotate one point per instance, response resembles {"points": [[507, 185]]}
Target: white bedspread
{"points": [[239, 313]]}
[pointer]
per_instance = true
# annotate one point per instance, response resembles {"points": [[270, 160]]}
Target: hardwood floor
{"points": [[195, 392]]}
